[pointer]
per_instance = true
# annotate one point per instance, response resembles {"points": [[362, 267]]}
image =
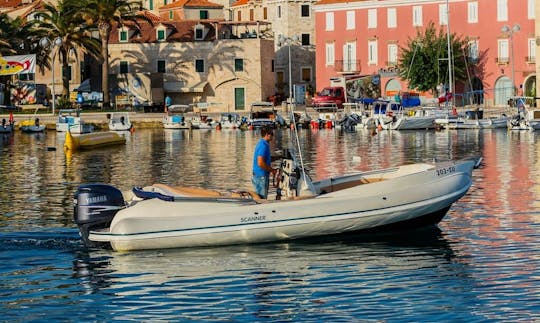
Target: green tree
{"points": [[106, 14], [423, 62], [62, 22]]}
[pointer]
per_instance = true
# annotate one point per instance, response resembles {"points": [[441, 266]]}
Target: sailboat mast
{"points": [[450, 81]]}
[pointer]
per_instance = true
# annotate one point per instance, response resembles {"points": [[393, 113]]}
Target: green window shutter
{"points": [[239, 99], [238, 65]]}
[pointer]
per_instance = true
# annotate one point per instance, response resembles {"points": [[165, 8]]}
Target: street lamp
{"points": [[282, 40], [46, 42], [511, 31]]}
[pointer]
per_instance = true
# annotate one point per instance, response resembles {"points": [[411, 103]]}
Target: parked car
{"points": [[329, 96]]}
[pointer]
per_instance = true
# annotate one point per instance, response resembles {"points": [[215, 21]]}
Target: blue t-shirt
{"points": [[262, 149]]}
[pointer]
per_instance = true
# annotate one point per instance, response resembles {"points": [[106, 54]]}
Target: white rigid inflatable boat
{"points": [[160, 216]]}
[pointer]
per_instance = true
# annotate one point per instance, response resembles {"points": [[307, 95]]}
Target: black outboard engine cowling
{"points": [[95, 207]]}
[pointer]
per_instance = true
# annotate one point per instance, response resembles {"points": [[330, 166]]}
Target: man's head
{"points": [[267, 133]]}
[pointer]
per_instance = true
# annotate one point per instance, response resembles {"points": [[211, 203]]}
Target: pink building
{"points": [[363, 37]]}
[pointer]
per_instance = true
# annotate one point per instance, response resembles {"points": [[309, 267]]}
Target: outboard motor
{"points": [[95, 207]]}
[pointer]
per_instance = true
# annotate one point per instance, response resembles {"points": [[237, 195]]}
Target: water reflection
{"points": [[270, 280], [485, 255]]}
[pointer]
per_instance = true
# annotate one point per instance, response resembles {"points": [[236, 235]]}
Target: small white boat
{"points": [[230, 121], [203, 122], [527, 117], [262, 114], [409, 119], [160, 216], [69, 119], [473, 119], [119, 121], [175, 117]]}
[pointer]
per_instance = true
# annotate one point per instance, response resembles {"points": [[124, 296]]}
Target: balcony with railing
{"points": [[347, 66], [502, 60]]}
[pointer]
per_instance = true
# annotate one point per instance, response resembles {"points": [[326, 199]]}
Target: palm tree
{"points": [[62, 22], [106, 14], [6, 26]]}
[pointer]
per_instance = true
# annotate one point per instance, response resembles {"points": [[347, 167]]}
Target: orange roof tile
{"points": [[181, 31], [336, 1], [191, 3], [240, 3], [10, 3]]}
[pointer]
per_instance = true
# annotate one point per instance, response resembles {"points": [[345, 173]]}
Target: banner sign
{"points": [[20, 64]]}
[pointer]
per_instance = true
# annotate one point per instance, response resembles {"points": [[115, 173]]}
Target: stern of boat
{"points": [[95, 206]]}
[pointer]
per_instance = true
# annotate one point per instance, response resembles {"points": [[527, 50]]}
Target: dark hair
{"points": [[266, 130]]}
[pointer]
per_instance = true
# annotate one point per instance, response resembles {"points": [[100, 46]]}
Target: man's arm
{"points": [[262, 164]]}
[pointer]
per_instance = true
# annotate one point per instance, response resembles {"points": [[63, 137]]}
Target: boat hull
{"points": [[417, 200], [93, 140]]}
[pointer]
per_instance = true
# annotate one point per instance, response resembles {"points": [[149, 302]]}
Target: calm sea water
{"points": [[482, 264]]}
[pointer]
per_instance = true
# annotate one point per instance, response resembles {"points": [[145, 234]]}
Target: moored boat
{"points": [[92, 140], [160, 216], [119, 121], [30, 126], [70, 120]]}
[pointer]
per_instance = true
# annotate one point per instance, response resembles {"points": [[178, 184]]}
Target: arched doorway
{"points": [[503, 90], [392, 88], [530, 86]]}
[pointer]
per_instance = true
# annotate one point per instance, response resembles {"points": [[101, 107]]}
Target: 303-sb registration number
{"points": [[445, 171]]}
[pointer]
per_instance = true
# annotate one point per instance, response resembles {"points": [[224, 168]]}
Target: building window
{"points": [[330, 54], [124, 67], [351, 24], [203, 14], [123, 36], [372, 18], [273, 66], [279, 11], [265, 13], [199, 33], [251, 15], [305, 10], [532, 51], [502, 51], [305, 40], [372, 52], [392, 55], [160, 35], [349, 57], [329, 21], [199, 65], [239, 98], [306, 74], [472, 12], [391, 18], [238, 65], [502, 10], [530, 9], [161, 66], [473, 51], [443, 14], [151, 4], [239, 15], [171, 15], [417, 16]]}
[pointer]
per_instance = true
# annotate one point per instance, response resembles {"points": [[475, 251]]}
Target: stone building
{"points": [[293, 29], [197, 65]]}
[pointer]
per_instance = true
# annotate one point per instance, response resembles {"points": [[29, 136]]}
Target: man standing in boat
{"points": [[262, 160]]}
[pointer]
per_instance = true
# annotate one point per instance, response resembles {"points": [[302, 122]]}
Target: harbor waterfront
{"points": [[482, 264]]}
